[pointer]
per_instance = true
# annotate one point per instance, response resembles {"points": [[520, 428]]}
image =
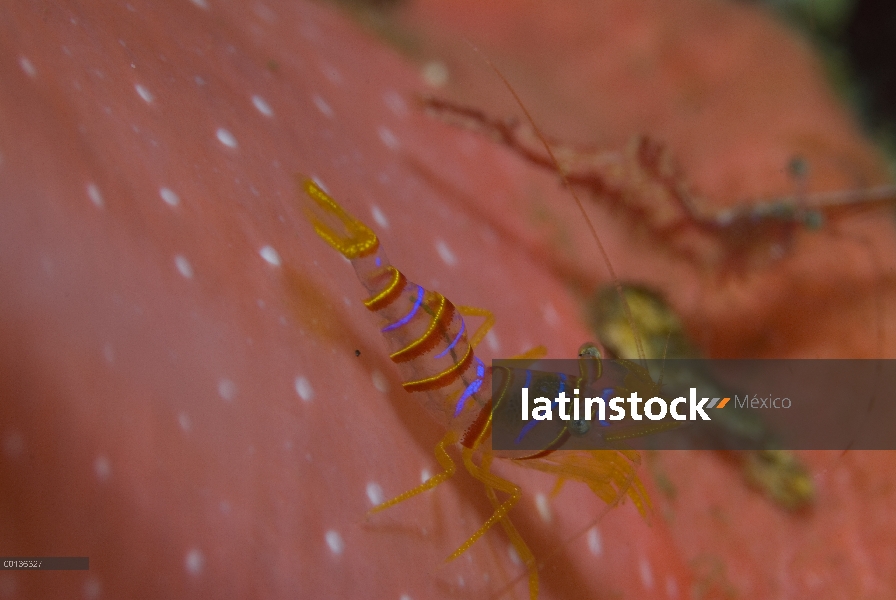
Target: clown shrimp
{"points": [[429, 341]]}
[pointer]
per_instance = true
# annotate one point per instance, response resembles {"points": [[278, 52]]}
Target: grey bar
{"points": [[793, 404], [44, 563]]}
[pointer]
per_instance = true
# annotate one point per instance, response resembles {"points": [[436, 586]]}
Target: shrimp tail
{"points": [[357, 241]]}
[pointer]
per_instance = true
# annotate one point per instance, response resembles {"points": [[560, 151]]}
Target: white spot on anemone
{"points": [[270, 255], [671, 587], [265, 13], [595, 546], [169, 196], [387, 137], [183, 266], [514, 555], [375, 493], [144, 93], [102, 468], [226, 138], [646, 574], [262, 106], [109, 352], [379, 217], [28, 67], [395, 103], [322, 106], [92, 588], [194, 561], [334, 541], [725, 217], [304, 389], [445, 253], [544, 507], [93, 192], [435, 74], [491, 338], [227, 389], [183, 419], [201, 4], [550, 314], [425, 475], [380, 382]]}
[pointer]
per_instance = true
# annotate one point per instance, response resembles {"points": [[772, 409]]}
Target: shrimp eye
{"points": [[589, 350], [579, 426]]}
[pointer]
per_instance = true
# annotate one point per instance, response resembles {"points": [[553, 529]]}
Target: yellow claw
{"points": [[357, 241]]}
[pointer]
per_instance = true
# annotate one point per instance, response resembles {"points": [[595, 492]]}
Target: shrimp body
{"points": [[426, 333], [429, 341]]}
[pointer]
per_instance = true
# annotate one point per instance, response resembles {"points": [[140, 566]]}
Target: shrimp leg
{"points": [[482, 331], [522, 549], [447, 464], [493, 482]]}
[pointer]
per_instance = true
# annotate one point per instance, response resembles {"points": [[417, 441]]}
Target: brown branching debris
{"points": [[644, 186]]}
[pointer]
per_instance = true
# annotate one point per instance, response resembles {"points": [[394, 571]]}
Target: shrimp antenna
{"points": [[568, 186]]}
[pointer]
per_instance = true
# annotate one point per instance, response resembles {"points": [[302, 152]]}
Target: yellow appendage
{"points": [[358, 239]]}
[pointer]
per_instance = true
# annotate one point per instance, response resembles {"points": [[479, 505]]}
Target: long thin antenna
{"points": [[568, 186]]}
